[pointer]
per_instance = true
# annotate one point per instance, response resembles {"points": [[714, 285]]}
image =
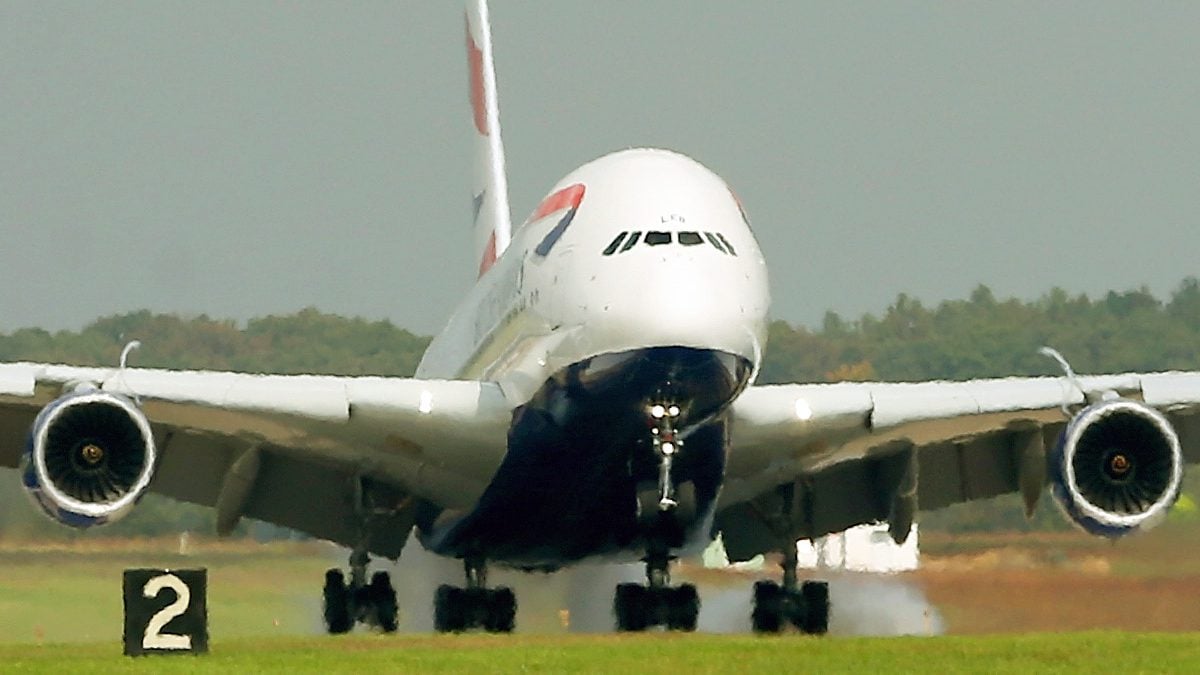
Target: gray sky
{"points": [[239, 158]]}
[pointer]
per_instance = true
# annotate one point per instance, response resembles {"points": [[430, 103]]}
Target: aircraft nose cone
{"points": [[688, 297], [676, 302]]}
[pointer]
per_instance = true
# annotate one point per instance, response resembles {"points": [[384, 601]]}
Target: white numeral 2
{"points": [[154, 638]]}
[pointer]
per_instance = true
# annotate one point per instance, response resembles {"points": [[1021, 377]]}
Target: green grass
{"points": [[56, 596], [60, 611], [653, 653]]}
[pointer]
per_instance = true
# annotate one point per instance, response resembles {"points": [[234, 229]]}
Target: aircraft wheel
{"points": [[501, 611], [382, 599], [475, 607], [336, 603], [816, 607], [767, 616], [683, 608], [449, 609], [631, 605]]}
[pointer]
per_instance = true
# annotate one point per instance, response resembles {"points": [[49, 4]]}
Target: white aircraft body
{"points": [[592, 397]]}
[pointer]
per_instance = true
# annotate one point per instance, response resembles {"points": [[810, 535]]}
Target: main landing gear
{"points": [[476, 606], [372, 604], [639, 607], [805, 606]]}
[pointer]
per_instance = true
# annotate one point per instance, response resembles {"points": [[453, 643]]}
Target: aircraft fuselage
{"points": [[637, 280]]}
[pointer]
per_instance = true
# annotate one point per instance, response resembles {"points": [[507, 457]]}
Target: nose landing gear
{"points": [[666, 443], [657, 603], [639, 607]]}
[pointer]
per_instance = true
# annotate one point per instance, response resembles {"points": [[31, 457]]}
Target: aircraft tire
{"points": [[631, 605], [501, 611], [816, 607], [449, 609], [382, 599], [683, 608], [336, 601], [767, 616]]}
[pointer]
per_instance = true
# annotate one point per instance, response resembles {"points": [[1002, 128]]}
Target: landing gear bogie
{"points": [[458, 609], [806, 608], [372, 604], [639, 607]]}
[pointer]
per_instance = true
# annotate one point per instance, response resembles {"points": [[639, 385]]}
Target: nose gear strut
{"points": [[666, 443]]}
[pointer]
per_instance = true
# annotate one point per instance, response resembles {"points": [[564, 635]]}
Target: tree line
{"points": [[979, 336]]}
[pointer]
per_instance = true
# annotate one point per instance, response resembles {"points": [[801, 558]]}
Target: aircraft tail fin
{"points": [[489, 190]]}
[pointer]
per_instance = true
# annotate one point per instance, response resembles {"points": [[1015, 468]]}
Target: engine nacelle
{"points": [[90, 457], [1117, 468]]}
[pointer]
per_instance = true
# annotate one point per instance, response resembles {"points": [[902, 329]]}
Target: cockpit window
{"points": [[728, 246], [627, 240], [633, 240], [612, 248], [712, 239], [658, 238]]}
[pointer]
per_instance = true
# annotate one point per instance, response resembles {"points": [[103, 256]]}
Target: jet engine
{"points": [[1117, 468], [90, 457]]}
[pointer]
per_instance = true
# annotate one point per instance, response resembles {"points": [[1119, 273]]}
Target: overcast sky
{"points": [[246, 158]]}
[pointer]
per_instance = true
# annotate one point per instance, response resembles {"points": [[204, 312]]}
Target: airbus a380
{"points": [[592, 397]]}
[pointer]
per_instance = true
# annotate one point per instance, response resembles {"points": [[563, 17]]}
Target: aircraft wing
{"points": [[851, 449], [311, 453]]}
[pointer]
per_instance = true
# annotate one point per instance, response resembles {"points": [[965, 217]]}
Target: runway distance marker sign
{"points": [[166, 611]]}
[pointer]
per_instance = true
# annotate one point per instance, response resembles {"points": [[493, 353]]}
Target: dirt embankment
{"points": [[1063, 581]]}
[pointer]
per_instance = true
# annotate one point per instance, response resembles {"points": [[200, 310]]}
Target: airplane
{"points": [[593, 397]]}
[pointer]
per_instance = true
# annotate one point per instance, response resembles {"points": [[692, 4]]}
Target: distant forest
{"points": [[980, 336]]}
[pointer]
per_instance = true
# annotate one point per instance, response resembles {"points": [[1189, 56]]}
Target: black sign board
{"points": [[166, 611]]}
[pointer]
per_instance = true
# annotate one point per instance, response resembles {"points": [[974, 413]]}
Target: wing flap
{"points": [[284, 483], [1186, 421], [322, 499], [14, 431]]}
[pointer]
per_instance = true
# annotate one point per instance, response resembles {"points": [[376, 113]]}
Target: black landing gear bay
{"points": [[476, 606], [372, 604]]}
